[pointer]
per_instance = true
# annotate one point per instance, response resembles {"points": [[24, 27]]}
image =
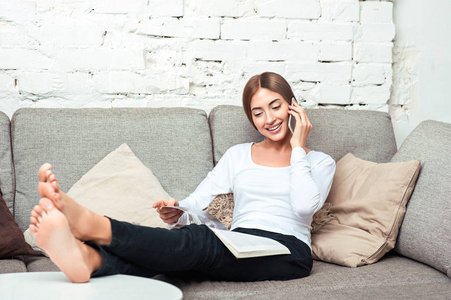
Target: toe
{"points": [[33, 229], [54, 183], [42, 174], [46, 204]]}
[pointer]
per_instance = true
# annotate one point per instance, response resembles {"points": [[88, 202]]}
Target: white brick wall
{"points": [[193, 53]]}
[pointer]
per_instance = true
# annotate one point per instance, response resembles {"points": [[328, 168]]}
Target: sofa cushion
{"points": [[12, 242], [6, 173], [12, 266], [335, 132], [174, 143], [424, 234], [394, 277], [368, 201]]}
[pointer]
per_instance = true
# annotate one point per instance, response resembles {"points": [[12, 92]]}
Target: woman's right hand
{"points": [[167, 214]]}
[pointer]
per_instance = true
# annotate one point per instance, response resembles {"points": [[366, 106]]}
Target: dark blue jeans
{"points": [[195, 249]]}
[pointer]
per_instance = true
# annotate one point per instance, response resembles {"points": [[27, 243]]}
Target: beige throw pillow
{"points": [[121, 187], [368, 201]]}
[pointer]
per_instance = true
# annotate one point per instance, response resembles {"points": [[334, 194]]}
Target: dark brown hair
{"points": [[268, 80]]}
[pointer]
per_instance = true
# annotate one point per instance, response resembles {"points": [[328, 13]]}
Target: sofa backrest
{"points": [[367, 134], [424, 234], [174, 143], [6, 171]]}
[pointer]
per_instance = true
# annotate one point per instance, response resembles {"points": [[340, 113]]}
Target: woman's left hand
{"points": [[303, 126]]}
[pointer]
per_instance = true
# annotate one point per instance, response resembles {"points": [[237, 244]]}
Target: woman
{"points": [[278, 185]]}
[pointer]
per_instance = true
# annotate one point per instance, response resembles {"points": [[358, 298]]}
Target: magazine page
{"points": [[200, 217], [244, 245]]}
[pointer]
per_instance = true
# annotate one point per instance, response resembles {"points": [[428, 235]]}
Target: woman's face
{"points": [[270, 114]]}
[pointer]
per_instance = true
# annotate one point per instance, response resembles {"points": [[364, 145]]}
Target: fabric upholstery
{"points": [[368, 201], [335, 132], [424, 234], [393, 277], [6, 173], [174, 143], [39, 264], [12, 266]]}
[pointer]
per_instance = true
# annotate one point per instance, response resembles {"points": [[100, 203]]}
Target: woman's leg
{"points": [[195, 248]]}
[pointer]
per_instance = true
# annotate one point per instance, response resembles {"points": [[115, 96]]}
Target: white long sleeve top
{"points": [[281, 200]]}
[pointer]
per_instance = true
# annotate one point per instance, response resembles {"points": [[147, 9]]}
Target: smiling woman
{"points": [[277, 184]]}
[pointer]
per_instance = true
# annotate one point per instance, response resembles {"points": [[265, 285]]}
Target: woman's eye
{"points": [[276, 107], [257, 114]]}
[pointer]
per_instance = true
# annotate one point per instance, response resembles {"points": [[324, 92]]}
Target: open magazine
{"points": [[240, 244]]}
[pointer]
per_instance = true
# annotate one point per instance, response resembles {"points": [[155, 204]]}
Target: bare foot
{"points": [[84, 224], [52, 232]]}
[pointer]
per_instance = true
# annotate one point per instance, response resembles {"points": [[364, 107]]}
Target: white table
{"points": [[54, 285]]}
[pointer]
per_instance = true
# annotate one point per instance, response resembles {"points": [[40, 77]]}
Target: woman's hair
{"points": [[268, 80]]}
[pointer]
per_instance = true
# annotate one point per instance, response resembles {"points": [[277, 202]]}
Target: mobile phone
{"points": [[291, 119]]}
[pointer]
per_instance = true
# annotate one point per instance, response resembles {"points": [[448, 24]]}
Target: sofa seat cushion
{"points": [[39, 264], [425, 232], [393, 277], [14, 265]]}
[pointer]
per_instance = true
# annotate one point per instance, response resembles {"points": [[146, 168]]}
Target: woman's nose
{"points": [[270, 118]]}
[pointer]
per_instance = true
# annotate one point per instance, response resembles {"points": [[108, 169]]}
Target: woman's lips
{"points": [[275, 128]]}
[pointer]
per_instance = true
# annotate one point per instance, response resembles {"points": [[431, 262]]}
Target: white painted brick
{"points": [[173, 27], [147, 83], [17, 11], [254, 68], [283, 51], [217, 50], [371, 94], [375, 32], [99, 59], [335, 51], [366, 73], [164, 58], [65, 32], [36, 82], [202, 28], [296, 9], [330, 73], [253, 29], [18, 58], [78, 83], [6, 83], [118, 82], [320, 31], [333, 94], [167, 8], [9, 103], [12, 35], [220, 8], [375, 11], [373, 52], [118, 7], [129, 102], [342, 11]]}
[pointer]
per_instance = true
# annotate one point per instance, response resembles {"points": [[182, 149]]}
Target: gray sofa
{"points": [[181, 145]]}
